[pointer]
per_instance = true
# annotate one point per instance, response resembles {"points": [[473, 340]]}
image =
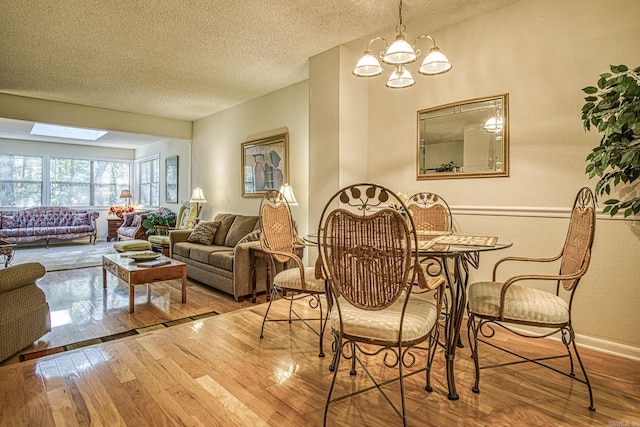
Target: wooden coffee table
{"points": [[125, 269]]}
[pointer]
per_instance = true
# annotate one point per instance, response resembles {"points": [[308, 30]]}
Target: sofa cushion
{"points": [[226, 220], [241, 226], [204, 232], [80, 219], [222, 259], [9, 222], [202, 253]]}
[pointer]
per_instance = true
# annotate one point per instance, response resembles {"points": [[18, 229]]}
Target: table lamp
{"points": [[287, 192], [126, 194], [198, 197]]}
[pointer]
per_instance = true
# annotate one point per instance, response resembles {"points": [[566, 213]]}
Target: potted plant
{"points": [[165, 219], [613, 108]]}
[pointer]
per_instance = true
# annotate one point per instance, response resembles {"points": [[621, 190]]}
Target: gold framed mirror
{"points": [[465, 139]]}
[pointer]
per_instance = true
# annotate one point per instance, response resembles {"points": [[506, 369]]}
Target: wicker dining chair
{"points": [[432, 218], [366, 250], [279, 240], [511, 303], [430, 212]]}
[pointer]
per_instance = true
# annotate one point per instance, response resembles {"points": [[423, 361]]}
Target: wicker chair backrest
{"points": [[429, 212], [576, 252], [278, 233]]}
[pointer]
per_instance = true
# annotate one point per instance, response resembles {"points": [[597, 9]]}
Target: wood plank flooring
{"points": [[217, 372], [82, 310]]}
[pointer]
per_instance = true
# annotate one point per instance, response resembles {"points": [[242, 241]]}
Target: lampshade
{"points": [[368, 65], [198, 196], [435, 63], [400, 78], [126, 194], [287, 192], [400, 52]]}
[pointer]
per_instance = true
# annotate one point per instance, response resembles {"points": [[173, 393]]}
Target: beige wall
{"points": [[217, 139], [542, 53], [31, 109], [168, 148]]}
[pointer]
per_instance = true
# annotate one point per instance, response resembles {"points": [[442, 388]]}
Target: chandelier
{"points": [[399, 54]]}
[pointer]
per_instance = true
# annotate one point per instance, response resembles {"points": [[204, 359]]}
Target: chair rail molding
{"points": [[526, 211]]}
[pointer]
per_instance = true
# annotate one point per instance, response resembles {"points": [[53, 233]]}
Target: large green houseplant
{"points": [[613, 108], [165, 218]]}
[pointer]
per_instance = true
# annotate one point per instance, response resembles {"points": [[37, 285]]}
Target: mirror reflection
{"points": [[464, 139]]}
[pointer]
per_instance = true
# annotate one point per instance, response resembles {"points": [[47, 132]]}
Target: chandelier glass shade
{"points": [[399, 54]]}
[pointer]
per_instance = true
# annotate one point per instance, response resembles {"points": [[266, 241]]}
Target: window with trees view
{"points": [[149, 182], [69, 182], [20, 181]]}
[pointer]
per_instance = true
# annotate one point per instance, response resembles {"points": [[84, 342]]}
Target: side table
{"points": [[257, 252], [112, 228]]}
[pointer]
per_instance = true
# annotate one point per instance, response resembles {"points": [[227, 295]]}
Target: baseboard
{"points": [[602, 346]]}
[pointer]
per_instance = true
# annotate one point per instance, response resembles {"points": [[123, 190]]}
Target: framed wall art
{"points": [[171, 179], [265, 165]]}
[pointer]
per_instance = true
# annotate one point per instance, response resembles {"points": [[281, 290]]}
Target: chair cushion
{"points": [[384, 325], [290, 279], [131, 245], [522, 303], [162, 240], [204, 232]]}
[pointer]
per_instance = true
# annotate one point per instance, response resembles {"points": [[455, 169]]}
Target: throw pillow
{"points": [[204, 232], [254, 236], [128, 219], [137, 220]]}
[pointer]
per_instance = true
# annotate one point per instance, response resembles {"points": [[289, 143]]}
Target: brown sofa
{"points": [[226, 263]]}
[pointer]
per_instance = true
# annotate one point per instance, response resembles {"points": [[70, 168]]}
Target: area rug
{"points": [[137, 331], [66, 256]]}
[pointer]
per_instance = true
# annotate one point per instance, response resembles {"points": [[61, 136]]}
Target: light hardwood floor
{"points": [[82, 310], [217, 372]]}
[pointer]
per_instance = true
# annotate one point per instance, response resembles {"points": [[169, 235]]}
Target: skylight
{"points": [[66, 132]]}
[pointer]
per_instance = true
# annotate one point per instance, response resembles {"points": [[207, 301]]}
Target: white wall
{"points": [[216, 153], [542, 53]]}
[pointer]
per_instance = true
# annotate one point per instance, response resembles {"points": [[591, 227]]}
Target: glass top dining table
{"points": [[450, 255]]}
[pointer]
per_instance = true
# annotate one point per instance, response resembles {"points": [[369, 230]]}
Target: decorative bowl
{"points": [[144, 256]]}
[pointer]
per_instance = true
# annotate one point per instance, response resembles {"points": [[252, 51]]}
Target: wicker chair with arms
{"points": [[511, 302], [366, 249], [278, 239]]}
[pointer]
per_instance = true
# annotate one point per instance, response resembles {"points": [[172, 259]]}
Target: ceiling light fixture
{"points": [[399, 54], [57, 131]]}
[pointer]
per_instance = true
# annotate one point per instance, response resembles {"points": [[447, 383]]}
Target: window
{"points": [[27, 181], [70, 182], [109, 179], [20, 181], [149, 182]]}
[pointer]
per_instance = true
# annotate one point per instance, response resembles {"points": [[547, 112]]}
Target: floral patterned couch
{"points": [[44, 223]]}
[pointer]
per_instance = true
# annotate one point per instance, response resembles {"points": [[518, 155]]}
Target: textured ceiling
{"points": [[188, 59]]}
